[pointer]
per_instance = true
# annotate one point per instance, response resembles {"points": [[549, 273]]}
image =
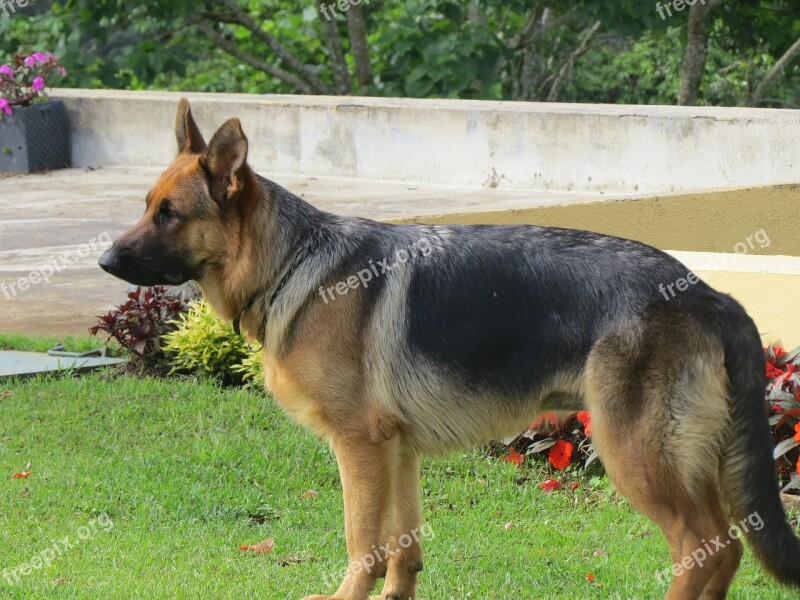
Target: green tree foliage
{"points": [[580, 51]]}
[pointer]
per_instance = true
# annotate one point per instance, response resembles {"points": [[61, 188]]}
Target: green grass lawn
{"points": [[15, 341], [188, 473]]}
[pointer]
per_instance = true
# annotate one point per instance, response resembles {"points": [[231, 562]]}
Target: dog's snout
{"points": [[110, 261], [137, 265], [120, 261]]}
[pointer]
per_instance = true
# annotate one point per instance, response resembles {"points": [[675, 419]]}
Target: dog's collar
{"points": [[249, 304]]}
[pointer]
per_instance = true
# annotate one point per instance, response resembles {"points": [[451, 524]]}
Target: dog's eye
{"points": [[165, 212]]}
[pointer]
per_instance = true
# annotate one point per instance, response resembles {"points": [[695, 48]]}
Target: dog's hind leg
{"points": [[719, 583], [657, 392], [402, 530]]}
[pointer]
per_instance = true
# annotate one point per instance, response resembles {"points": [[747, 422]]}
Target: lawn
{"points": [[157, 483]]}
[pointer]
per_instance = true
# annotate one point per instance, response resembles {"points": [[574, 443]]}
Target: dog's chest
{"points": [[283, 386]]}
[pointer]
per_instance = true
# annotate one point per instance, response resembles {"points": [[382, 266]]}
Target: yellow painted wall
{"points": [[771, 299]]}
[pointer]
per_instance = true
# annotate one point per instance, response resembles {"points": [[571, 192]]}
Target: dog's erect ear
{"points": [[225, 160], [189, 138]]}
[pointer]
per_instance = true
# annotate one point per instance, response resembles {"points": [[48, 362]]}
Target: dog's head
{"points": [[192, 212]]}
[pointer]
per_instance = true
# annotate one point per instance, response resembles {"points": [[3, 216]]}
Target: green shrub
{"points": [[206, 345], [252, 370]]}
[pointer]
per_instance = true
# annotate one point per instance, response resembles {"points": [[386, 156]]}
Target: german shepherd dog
{"points": [[394, 341]]}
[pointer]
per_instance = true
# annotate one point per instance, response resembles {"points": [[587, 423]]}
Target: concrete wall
{"points": [[508, 145]]}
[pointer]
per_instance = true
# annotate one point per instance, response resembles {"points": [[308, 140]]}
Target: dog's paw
{"points": [[392, 596]]}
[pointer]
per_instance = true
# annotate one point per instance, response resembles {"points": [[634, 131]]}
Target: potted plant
{"points": [[34, 132]]}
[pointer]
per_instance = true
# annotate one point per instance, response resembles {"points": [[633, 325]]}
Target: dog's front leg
{"points": [[365, 469]]}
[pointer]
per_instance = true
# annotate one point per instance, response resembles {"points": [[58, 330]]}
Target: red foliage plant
{"points": [[139, 323]]}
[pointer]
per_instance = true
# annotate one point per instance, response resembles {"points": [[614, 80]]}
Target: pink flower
{"points": [[6, 70], [35, 58], [62, 70], [5, 106], [38, 84]]}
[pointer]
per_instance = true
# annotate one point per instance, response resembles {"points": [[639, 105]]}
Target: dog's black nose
{"points": [[109, 261]]}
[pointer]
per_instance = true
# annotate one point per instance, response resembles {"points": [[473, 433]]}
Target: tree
{"points": [[543, 56], [780, 66], [755, 25], [543, 50], [694, 57]]}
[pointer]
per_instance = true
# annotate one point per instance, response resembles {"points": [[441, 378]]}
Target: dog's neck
{"points": [[282, 229], [260, 330]]}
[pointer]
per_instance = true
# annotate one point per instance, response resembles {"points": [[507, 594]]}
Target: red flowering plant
{"points": [[564, 439], [24, 80], [783, 406]]}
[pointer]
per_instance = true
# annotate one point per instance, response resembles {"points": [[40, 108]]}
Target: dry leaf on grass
{"points": [[264, 547], [23, 474]]}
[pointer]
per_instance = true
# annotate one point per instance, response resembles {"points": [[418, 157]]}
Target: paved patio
{"points": [[53, 227], [23, 364]]}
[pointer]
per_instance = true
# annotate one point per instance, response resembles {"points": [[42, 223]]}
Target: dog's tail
{"points": [[748, 470]]}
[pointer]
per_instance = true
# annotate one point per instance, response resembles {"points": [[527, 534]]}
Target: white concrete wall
{"points": [[510, 145]]}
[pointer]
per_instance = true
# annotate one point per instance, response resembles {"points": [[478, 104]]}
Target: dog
{"points": [[396, 341]]}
